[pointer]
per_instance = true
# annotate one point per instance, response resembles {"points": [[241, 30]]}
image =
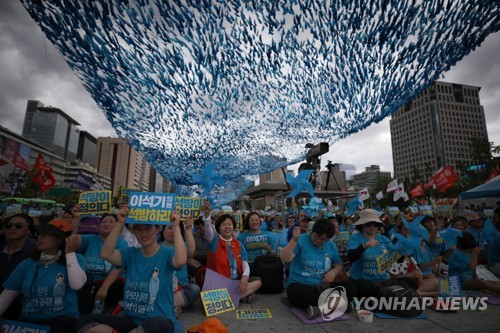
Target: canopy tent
{"points": [[486, 190]]}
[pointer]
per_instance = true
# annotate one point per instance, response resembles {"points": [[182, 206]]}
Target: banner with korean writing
{"points": [[12, 326], [216, 301], [155, 208], [239, 221], [253, 314], [385, 261], [125, 194], [425, 210], [95, 202]]}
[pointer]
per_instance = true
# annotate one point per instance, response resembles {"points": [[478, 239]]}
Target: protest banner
{"points": [[238, 217], [12, 326], [253, 314], [450, 286], [444, 210], [393, 211], [385, 261], [155, 208], [216, 301], [125, 194], [341, 239], [425, 210], [95, 202]]}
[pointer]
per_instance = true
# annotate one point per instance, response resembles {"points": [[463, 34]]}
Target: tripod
{"points": [[330, 173]]}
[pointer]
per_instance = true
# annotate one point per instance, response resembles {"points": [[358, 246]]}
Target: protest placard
{"points": [[125, 194], [253, 314], [385, 261], [216, 301], [341, 239], [95, 202], [155, 208], [239, 221]]}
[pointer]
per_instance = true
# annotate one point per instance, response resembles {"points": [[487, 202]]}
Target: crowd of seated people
{"points": [[144, 274]]}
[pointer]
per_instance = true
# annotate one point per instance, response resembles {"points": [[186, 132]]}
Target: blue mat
{"points": [[387, 316]]}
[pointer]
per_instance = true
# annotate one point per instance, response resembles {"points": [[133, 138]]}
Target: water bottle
{"points": [[98, 307]]}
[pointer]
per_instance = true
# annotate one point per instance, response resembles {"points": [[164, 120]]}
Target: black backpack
{"points": [[399, 289], [270, 270]]}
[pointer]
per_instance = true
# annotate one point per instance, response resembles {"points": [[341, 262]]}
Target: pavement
{"points": [[283, 320]]}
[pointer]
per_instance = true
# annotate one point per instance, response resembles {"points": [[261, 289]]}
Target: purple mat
{"points": [[302, 315], [492, 299], [214, 280]]}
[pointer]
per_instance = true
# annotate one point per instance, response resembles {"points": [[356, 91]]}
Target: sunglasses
{"points": [[10, 225], [372, 224]]}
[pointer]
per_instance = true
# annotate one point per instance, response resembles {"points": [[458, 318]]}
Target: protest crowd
{"points": [[78, 272]]}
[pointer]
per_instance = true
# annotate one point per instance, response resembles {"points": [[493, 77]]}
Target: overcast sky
{"points": [[31, 68]]}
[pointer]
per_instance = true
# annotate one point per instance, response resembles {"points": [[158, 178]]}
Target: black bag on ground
{"points": [[270, 270], [410, 304]]}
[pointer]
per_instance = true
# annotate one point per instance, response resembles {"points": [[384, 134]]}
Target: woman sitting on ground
{"points": [[148, 300], [49, 279], [226, 255], [315, 264], [463, 263], [254, 239]]}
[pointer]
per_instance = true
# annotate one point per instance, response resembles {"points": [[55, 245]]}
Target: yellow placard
{"points": [[95, 202], [253, 314], [216, 301], [385, 261], [342, 238]]}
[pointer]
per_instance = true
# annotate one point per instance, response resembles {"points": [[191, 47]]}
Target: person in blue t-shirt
{"points": [[494, 253], [185, 293], [102, 275], [254, 239], [363, 248], [463, 264], [315, 264], [49, 279], [148, 300]]}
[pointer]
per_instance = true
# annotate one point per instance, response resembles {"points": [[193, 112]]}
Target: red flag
{"points": [[20, 162], [444, 178], [40, 164], [493, 175], [429, 184], [418, 191], [3, 162], [45, 179]]}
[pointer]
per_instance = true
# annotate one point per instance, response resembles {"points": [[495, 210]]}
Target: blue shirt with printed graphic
{"points": [[91, 247], [148, 288], [423, 256], [181, 274], [254, 244], [233, 268], [458, 265], [365, 267], [47, 294], [310, 263]]}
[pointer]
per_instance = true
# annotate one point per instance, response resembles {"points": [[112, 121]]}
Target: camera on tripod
{"points": [[313, 161]]}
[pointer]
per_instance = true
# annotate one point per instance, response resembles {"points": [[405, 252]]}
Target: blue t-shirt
{"points": [[91, 248], [494, 251], [254, 244], [47, 294], [310, 263], [181, 274], [459, 265], [366, 266], [423, 256], [233, 268], [148, 288]]}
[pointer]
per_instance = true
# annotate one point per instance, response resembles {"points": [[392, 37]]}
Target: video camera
{"points": [[312, 159]]}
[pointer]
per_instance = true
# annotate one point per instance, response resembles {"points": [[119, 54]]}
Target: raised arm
{"points": [[287, 252], [76, 273], [108, 251], [209, 231], [188, 232], [180, 256]]}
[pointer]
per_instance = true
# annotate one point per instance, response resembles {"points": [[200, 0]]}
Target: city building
{"points": [[369, 178], [74, 168], [124, 165], [435, 129], [349, 169], [51, 128], [87, 148]]}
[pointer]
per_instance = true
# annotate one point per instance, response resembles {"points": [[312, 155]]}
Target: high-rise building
{"points": [[87, 148], [435, 129], [349, 169], [52, 128], [369, 178], [125, 166]]}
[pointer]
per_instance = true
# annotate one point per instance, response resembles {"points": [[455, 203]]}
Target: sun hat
{"points": [[59, 227], [368, 215], [472, 216]]}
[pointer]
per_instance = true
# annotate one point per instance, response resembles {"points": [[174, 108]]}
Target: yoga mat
{"points": [[214, 280], [492, 299], [302, 315], [380, 315]]}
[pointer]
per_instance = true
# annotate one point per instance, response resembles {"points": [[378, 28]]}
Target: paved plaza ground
{"points": [[283, 320]]}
